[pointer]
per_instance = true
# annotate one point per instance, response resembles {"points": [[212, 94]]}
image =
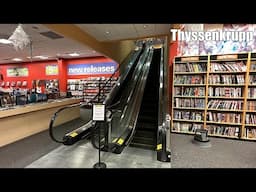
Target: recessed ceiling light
{"points": [[144, 26], [17, 59], [107, 32], [73, 54], [41, 57]]}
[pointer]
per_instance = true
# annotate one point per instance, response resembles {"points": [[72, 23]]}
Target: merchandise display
{"points": [[217, 93], [88, 88]]}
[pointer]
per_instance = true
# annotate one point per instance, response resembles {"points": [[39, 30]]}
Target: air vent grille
{"points": [[51, 35]]}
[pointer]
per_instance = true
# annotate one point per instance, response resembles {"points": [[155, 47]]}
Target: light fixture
{"points": [[73, 54], [17, 59], [5, 41], [107, 32], [145, 26], [41, 57]]}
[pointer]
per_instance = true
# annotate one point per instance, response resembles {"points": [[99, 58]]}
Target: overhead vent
{"points": [[51, 35]]}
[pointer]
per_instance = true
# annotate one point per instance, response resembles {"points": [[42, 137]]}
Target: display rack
{"points": [[217, 93], [88, 88]]}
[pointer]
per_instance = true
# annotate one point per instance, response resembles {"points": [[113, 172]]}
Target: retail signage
{"points": [[98, 112], [17, 72], [51, 70], [92, 68]]}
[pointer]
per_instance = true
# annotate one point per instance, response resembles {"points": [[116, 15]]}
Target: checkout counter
{"points": [[20, 121]]}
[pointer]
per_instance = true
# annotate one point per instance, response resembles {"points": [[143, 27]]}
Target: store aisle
{"points": [[83, 155], [224, 153]]}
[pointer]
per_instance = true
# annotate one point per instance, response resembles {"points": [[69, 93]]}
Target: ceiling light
{"points": [[17, 59], [107, 32], [144, 26], [5, 41], [73, 54], [41, 57]]}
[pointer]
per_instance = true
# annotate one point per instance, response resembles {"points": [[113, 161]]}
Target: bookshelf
{"points": [[215, 92]]}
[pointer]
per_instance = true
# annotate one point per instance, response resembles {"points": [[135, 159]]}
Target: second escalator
{"points": [[146, 127]]}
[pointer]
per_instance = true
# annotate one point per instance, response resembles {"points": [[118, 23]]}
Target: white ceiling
{"points": [[109, 32], [59, 48], [41, 45]]}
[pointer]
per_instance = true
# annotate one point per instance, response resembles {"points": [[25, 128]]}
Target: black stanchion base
{"points": [[99, 165]]}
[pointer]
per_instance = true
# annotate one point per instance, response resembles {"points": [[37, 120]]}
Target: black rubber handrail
{"points": [[76, 105]]}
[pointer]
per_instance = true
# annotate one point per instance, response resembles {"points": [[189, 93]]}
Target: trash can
{"points": [[201, 135]]}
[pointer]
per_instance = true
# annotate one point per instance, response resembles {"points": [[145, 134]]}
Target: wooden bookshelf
{"points": [[226, 85], [187, 120], [188, 85], [189, 108], [226, 110], [195, 97], [229, 78]]}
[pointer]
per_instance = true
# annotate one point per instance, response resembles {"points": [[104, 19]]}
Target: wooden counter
{"points": [[24, 121]]}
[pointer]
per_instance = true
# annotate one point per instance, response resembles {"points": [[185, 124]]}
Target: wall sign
{"points": [[17, 72], [51, 70], [92, 68]]}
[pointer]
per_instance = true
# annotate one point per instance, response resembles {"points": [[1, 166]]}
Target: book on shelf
{"points": [[250, 118], [189, 79], [226, 79], [250, 133], [225, 91], [253, 66], [224, 104], [223, 117], [188, 115], [223, 130], [186, 127], [190, 102], [189, 91], [236, 66], [190, 67], [251, 105], [252, 92]]}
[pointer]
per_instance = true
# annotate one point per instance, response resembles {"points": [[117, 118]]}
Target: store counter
{"points": [[19, 122]]}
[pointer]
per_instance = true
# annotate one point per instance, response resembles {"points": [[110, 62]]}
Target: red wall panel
{"points": [[37, 70]]}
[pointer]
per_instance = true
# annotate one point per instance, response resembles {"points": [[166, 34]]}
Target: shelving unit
{"points": [[88, 88], [225, 88]]}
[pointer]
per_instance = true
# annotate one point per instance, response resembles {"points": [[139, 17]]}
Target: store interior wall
{"points": [[37, 70]]}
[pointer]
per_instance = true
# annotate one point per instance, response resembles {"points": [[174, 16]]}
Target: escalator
{"points": [[80, 127], [136, 108], [146, 128]]}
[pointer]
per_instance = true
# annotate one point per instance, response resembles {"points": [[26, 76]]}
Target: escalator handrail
{"points": [[128, 133], [122, 78], [109, 80], [53, 118], [163, 124]]}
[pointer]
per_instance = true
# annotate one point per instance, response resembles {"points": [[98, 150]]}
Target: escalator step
{"points": [[144, 118], [143, 125], [144, 140], [143, 146], [145, 133]]}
